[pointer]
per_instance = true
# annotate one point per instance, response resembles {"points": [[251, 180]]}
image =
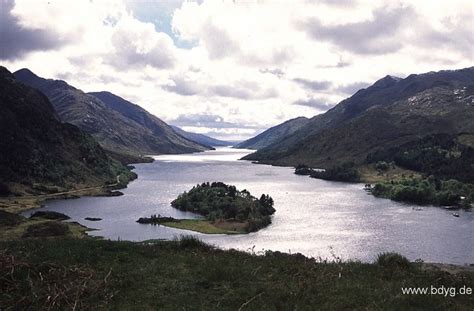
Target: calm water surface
{"points": [[314, 217]]}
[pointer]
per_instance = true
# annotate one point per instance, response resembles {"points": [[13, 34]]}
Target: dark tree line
{"points": [[440, 155]]}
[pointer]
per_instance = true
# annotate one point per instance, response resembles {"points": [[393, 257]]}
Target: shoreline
{"points": [[35, 202], [20, 204]]}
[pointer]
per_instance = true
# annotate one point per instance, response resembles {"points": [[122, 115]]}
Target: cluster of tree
{"points": [[440, 155], [429, 190], [218, 201], [302, 169], [344, 172], [153, 219]]}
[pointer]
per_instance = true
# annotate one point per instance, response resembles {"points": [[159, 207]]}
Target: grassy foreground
{"points": [[188, 275]]}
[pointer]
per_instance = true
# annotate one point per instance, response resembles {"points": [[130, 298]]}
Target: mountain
{"points": [[115, 123], [202, 139], [392, 112], [36, 148], [166, 133], [274, 134]]}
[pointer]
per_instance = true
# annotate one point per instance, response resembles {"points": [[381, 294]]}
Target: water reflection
{"points": [[314, 217]]}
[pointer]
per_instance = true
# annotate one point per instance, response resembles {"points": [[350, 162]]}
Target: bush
{"points": [[190, 241], [393, 261], [382, 166]]}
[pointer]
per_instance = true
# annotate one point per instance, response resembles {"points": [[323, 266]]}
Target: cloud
{"points": [[245, 90], [242, 90], [457, 33], [229, 91], [313, 85], [247, 64], [137, 43], [315, 103], [217, 41], [352, 87], [275, 71], [373, 36], [17, 40], [183, 86], [203, 120]]}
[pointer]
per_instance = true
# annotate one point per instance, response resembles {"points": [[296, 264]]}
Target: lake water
{"points": [[314, 217]]}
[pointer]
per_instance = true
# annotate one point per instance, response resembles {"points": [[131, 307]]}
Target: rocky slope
{"points": [[115, 123]]}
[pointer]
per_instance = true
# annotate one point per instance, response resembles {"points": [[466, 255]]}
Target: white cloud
{"points": [[138, 44], [249, 64]]}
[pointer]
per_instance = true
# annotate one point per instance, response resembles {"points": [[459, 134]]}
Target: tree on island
{"points": [[218, 201]]}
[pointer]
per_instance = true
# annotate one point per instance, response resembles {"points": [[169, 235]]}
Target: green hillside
{"points": [[389, 114], [39, 152]]}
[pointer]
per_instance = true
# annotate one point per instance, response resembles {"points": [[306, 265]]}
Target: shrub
{"points": [[382, 166], [392, 260], [190, 241]]}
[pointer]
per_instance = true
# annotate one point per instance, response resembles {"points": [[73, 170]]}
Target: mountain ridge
{"points": [[111, 125], [273, 134], [324, 140], [201, 138]]}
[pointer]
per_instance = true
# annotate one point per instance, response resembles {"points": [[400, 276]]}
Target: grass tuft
{"points": [[393, 261], [191, 242]]}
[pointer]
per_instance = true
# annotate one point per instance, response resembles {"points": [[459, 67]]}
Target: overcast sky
{"points": [[232, 69]]}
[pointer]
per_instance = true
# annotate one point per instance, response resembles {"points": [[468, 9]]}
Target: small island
{"points": [[346, 172], [224, 209]]}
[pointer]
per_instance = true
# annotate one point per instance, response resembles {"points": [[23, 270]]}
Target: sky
{"points": [[231, 69]]}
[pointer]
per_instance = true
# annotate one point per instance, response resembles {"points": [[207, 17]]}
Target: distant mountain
{"points": [[273, 134], [392, 112], [36, 148], [202, 139], [115, 123], [159, 128]]}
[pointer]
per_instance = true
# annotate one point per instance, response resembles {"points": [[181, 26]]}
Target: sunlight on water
{"points": [[315, 217], [222, 154]]}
